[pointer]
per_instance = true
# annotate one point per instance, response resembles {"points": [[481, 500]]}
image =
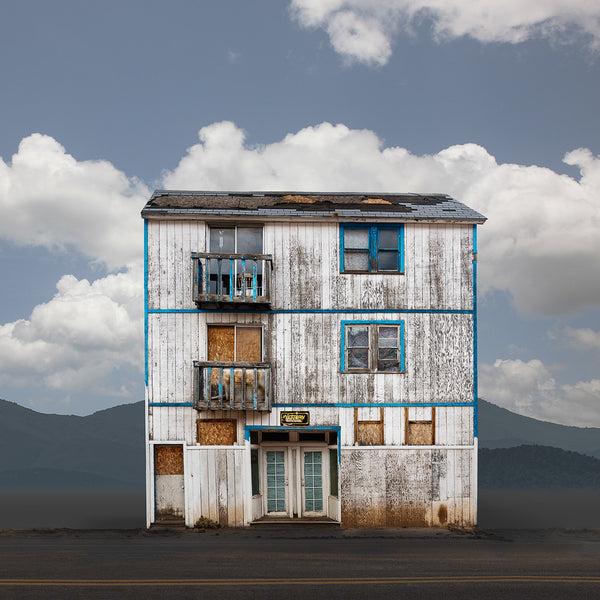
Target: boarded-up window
{"points": [[217, 432], [368, 433], [168, 460], [234, 343], [420, 431]]}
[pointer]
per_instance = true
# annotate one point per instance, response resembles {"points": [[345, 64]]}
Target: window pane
{"points": [[222, 239], [358, 336], [356, 238], [358, 358], [388, 238], [388, 365], [388, 337], [387, 260], [387, 353], [249, 240], [356, 261]]}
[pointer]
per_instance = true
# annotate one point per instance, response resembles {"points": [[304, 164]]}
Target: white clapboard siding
{"points": [[215, 486], [406, 487], [391, 485], [437, 258], [305, 354]]}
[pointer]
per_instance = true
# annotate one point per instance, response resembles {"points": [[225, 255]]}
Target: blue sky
{"points": [[103, 102]]}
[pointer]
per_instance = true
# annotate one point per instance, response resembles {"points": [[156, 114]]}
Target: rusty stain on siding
{"points": [[442, 514]]}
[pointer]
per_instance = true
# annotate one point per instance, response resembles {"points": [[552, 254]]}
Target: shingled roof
{"points": [[310, 204]]}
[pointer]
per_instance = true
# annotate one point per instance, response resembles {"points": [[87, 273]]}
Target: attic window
{"points": [[368, 248]]}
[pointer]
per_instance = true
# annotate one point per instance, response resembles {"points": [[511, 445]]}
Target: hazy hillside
{"points": [[500, 428], [105, 449], [537, 467]]}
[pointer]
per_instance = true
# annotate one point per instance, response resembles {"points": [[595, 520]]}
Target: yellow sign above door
{"points": [[295, 418]]}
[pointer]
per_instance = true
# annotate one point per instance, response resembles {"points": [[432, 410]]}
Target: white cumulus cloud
{"points": [[50, 199], [542, 238], [363, 30], [528, 388], [89, 334], [580, 338], [77, 340]]}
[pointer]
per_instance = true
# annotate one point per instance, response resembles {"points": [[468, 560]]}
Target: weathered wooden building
{"points": [[311, 356]]}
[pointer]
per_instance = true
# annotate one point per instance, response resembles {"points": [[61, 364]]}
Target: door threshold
{"points": [[167, 524], [297, 521]]}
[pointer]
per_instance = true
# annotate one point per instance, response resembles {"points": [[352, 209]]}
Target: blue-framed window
{"points": [[372, 347], [370, 248]]}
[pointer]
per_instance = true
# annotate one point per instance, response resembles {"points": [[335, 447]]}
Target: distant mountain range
{"points": [[535, 467], [105, 450], [501, 428]]}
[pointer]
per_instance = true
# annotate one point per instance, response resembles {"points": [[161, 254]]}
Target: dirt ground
{"points": [[498, 509]]}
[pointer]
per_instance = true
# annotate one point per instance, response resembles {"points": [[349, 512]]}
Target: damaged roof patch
{"points": [[310, 204], [375, 201], [299, 199]]}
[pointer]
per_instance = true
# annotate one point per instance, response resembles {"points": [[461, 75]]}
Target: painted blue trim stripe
{"points": [[146, 301], [333, 311], [402, 346], [402, 249], [475, 374], [369, 404], [171, 404]]}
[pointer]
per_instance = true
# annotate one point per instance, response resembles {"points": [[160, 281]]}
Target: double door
{"points": [[296, 481]]}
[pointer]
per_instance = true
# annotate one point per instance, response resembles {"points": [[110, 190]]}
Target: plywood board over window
{"points": [[217, 432], [234, 343], [368, 433], [420, 430], [168, 460]]}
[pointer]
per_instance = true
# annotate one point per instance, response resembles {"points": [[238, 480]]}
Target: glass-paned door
{"points": [[276, 476], [236, 240], [313, 497]]}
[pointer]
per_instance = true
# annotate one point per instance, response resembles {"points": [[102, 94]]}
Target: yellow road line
{"points": [[296, 581]]}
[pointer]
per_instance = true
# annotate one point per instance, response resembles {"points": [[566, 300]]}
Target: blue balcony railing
{"points": [[232, 385], [232, 278]]}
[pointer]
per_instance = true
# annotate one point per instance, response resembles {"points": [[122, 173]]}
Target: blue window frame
{"points": [[372, 347], [370, 248]]}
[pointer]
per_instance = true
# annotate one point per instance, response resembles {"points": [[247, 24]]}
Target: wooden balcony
{"points": [[232, 386], [230, 280]]}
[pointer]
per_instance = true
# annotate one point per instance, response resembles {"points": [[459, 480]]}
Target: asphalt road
{"points": [[299, 563]]}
